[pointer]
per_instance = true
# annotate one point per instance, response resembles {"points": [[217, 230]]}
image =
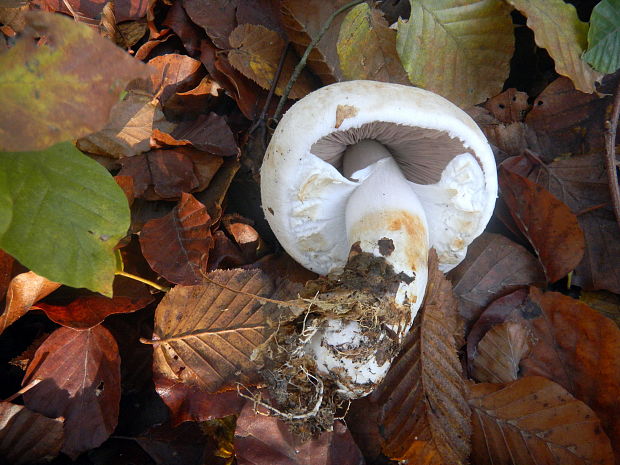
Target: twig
{"points": [[302, 63], [27, 387], [148, 282], [610, 156]]}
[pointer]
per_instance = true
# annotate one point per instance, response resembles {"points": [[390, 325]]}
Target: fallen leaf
{"points": [[302, 20], [499, 353], [606, 303], [460, 49], [24, 290], [256, 52], [88, 311], [190, 34], [124, 10], [580, 350], [262, 12], [216, 17], [534, 420], [604, 37], [547, 222], [193, 103], [47, 91], [558, 30], [27, 437], [129, 128], [80, 381], [206, 335], [508, 107], [6, 273], [175, 73], [177, 245], [494, 266], [367, 47], [260, 438], [208, 133]]}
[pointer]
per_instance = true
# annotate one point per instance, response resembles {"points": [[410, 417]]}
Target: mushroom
{"points": [[391, 171]]}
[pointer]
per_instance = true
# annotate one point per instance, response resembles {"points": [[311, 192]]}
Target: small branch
{"points": [[142, 280], [302, 63], [611, 128]]}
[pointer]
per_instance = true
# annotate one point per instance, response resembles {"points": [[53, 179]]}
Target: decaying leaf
{"points": [[208, 133], [604, 302], [367, 47], [177, 245], [216, 17], [256, 52], [508, 107], [124, 10], [494, 266], [175, 73], [499, 352], [206, 335], [532, 421], [24, 290], [547, 222], [460, 49], [80, 381], [28, 437], [558, 29], [47, 92]]}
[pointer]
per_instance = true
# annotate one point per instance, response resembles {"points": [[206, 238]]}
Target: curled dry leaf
{"points": [[216, 17], [508, 107], [532, 421], [177, 245], [206, 335], [28, 437], [208, 133], [494, 266], [80, 381], [175, 73], [499, 352], [547, 222], [24, 290]]}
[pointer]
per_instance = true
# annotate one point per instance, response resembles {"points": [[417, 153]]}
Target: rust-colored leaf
{"points": [[175, 73], [494, 266], [216, 17], [6, 272], [28, 437], [533, 421], [547, 222], [190, 34], [124, 10], [88, 311], [80, 381], [499, 352], [260, 438], [208, 133], [579, 349], [256, 54], [177, 245], [206, 335], [24, 290], [508, 107]]}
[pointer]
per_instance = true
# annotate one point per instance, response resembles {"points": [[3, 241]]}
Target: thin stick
{"points": [[142, 280], [302, 63], [610, 156], [27, 387]]}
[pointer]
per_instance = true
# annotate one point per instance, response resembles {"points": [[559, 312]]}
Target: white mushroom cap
{"points": [[304, 194]]}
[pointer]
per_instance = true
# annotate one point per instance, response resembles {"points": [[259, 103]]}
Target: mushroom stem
{"points": [[359, 156]]}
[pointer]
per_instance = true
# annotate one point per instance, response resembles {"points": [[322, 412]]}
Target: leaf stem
{"points": [[302, 63], [142, 280]]}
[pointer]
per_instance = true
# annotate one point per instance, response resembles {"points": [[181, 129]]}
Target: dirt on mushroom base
{"points": [[364, 292]]}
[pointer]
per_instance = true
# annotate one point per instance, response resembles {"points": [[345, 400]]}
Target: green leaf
{"points": [[367, 47], [460, 49], [68, 213], [62, 88], [604, 37], [558, 29]]}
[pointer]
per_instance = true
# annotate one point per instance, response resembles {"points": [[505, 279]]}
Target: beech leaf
{"points": [[205, 335], [558, 29], [367, 47], [460, 49], [177, 245], [68, 214], [604, 37], [46, 91], [216, 17], [534, 420], [28, 437], [80, 381]]}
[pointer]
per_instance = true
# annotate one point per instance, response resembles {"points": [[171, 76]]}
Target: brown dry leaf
{"points": [[190, 34], [205, 335], [177, 245], [124, 10], [499, 352], [129, 128], [216, 17], [547, 222], [494, 266], [194, 102], [508, 107], [6, 272], [262, 439], [423, 414], [256, 52], [579, 349], [533, 421], [24, 290], [80, 381], [175, 73], [27, 437], [606, 303], [302, 20], [208, 133], [367, 47]]}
